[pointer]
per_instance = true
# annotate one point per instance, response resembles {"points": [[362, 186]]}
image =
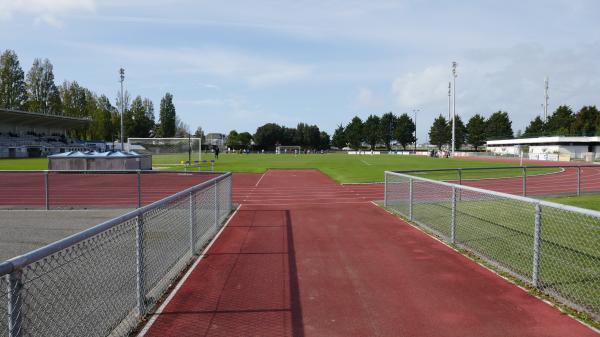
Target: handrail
{"points": [[584, 211], [20, 261], [494, 168]]}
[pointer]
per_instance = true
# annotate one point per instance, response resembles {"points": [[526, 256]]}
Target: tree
{"points": [[105, 130], [460, 132], [535, 128], [167, 117], [245, 140], [42, 93], [440, 133], [354, 133], [232, 140], [586, 120], [499, 126], [13, 92], [200, 134], [372, 130], [388, 123], [561, 121], [476, 131], [268, 136], [324, 141], [181, 128], [405, 130], [137, 121], [339, 137]]}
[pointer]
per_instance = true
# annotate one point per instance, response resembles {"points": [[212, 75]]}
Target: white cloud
{"points": [[425, 87], [229, 64], [44, 11], [367, 99]]}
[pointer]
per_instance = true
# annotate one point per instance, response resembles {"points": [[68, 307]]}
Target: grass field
{"points": [[343, 168], [501, 230], [590, 201]]}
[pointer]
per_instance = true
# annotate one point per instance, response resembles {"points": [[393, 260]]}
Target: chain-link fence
{"points": [[92, 189], [547, 180], [553, 247], [104, 280]]}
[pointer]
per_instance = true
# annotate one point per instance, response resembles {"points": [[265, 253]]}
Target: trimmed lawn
{"points": [[590, 201], [343, 168]]}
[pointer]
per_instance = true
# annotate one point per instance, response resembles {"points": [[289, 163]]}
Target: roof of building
{"points": [[94, 154], [12, 117], [544, 140]]}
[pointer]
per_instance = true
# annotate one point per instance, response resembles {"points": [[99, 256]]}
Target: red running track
{"points": [[26, 189], [304, 256]]}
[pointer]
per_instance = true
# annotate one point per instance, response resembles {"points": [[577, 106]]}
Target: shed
{"points": [[92, 160]]}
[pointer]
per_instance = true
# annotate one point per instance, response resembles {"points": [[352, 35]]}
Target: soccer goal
{"points": [[288, 149], [168, 151]]}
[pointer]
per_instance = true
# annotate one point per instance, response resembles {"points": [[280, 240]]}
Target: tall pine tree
{"points": [[167, 115], [42, 93], [13, 92]]}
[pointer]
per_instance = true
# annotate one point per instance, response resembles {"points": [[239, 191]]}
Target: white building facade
{"points": [[548, 148]]}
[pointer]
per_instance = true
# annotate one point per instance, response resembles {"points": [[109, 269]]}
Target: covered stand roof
{"points": [[94, 154], [16, 117]]}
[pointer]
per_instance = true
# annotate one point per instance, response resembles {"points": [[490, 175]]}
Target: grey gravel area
{"points": [[24, 230]]}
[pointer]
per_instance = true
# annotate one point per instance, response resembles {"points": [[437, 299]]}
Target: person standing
{"points": [[216, 152]]}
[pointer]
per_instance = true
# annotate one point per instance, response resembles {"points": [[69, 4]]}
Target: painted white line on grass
{"points": [[364, 162], [184, 278]]}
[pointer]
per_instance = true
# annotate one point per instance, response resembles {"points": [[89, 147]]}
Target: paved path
{"points": [[304, 256]]}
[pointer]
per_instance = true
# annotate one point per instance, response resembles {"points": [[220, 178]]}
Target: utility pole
{"points": [[122, 74], [415, 113], [454, 75], [449, 100], [546, 100]]}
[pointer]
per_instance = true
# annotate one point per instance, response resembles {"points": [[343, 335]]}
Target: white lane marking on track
{"points": [[184, 278], [364, 162], [261, 178]]}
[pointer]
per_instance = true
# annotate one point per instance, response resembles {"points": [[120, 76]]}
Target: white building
{"points": [[548, 147]]}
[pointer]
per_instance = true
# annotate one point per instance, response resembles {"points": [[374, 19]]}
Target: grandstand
{"points": [[32, 134]]}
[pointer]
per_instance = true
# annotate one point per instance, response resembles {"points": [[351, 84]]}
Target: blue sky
{"points": [[238, 64]]}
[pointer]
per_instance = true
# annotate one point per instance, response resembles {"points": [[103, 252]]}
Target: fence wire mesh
{"points": [[102, 282], [551, 246]]}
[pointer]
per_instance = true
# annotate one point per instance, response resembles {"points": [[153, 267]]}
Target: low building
{"points": [[216, 139], [92, 160], [548, 148]]}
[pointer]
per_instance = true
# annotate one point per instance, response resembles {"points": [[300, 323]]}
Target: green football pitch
{"points": [[343, 168]]}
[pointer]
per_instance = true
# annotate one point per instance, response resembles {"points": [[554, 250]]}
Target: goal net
{"points": [[168, 151], [287, 149]]}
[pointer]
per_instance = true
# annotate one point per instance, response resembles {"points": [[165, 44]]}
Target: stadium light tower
{"points": [[122, 74], [454, 75], [449, 100], [415, 113], [546, 99]]}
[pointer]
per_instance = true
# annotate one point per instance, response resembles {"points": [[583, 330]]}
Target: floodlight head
{"points": [[454, 65], [122, 73]]}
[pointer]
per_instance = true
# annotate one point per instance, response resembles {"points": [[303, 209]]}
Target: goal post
{"points": [[168, 151], [292, 149]]}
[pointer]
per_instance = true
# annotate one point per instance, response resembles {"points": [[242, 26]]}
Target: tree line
{"points": [[37, 92], [475, 133], [375, 130], [564, 122], [269, 136]]}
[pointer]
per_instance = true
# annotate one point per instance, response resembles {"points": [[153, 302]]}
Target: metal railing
{"points": [[550, 246], [56, 189], [104, 280], [585, 178]]}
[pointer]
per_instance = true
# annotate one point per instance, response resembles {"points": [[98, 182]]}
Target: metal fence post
{"points": [[460, 176], [216, 204], [139, 234], [230, 194], [46, 191], [453, 218], [385, 183], [410, 199], [524, 181], [578, 181], [15, 317], [536, 245], [139, 188], [192, 225]]}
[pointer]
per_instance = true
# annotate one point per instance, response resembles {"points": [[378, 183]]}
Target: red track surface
{"points": [[82, 190], [306, 256]]}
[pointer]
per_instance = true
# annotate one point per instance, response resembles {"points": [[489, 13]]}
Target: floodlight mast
{"points": [[449, 100], [415, 113], [546, 82], [122, 75], [454, 75]]}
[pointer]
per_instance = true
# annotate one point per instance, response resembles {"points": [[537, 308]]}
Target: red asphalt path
{"points": [[304, 256]]}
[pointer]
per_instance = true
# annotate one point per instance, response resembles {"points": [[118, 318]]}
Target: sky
{"points": [[238, 64]]}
